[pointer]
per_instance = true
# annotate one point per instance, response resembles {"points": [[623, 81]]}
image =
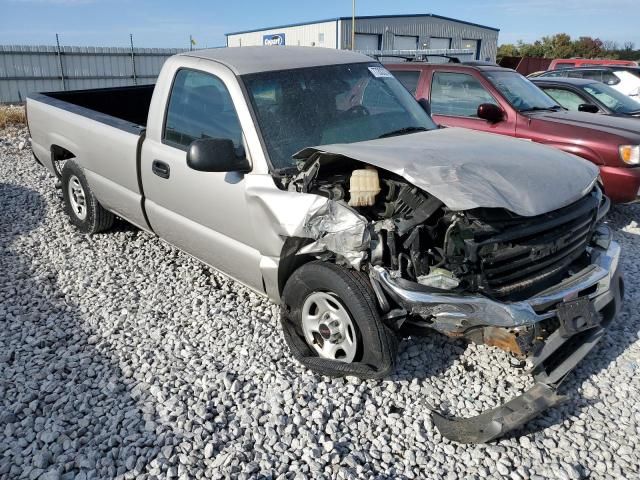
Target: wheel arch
{"points": [[290, 261], [59, 154]]}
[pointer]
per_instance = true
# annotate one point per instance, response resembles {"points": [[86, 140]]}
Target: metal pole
{"points": [[133, 60], [353, 24], [64, 86], [190, 43]]}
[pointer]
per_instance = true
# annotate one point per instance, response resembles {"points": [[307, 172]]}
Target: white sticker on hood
{"points": [[380, 72]]}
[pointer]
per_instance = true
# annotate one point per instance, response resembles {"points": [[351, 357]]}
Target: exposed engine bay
{"points": [[417, 238], [533, 286], [404, 223]]}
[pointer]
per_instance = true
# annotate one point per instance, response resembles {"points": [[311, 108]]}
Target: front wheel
{"points": [[332, 325]]}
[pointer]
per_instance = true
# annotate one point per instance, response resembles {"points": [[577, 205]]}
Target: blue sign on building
{"points": [[273, 39]]}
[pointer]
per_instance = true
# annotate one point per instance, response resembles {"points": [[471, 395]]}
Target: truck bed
{"points": [[130, 104], [100, 129]]}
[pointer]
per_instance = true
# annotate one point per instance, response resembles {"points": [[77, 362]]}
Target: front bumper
{"points": [[466, 315], [621, 184], [453, 314]]}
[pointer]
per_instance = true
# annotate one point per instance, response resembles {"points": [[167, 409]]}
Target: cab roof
{"points": [[246, 60]]}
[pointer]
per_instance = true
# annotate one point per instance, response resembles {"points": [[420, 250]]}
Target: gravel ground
{"points": [[121, 356]]}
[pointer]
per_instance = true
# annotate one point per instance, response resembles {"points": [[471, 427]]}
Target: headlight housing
{"points": [[630, 154]]}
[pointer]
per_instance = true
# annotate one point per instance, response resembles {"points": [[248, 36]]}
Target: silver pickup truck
{"points": [[313, 177]]}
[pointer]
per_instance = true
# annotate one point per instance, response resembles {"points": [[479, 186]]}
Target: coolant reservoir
{"points": [[364, 185]]}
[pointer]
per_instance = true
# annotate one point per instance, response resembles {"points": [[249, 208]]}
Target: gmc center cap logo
{"points": [[273, 39]]}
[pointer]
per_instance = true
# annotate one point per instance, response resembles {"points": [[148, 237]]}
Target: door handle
{"points": [[161, 169]]}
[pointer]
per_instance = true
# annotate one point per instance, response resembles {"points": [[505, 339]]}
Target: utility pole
{"points": [[64, 85], [353, 24], [133, 60]]}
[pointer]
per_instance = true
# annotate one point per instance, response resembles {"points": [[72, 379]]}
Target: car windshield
{"points": [[520, 92], [613, 99], [330, 104]]}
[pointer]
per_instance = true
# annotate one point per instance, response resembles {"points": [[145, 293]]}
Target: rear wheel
{"points": [[331, 322], [84, 210]]}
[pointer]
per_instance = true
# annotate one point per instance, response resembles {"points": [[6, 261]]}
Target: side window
{"points": [[457, 94], [409, 79], [610, 78], [561, 65], [200, 107], [592, 75], [566, 98]]}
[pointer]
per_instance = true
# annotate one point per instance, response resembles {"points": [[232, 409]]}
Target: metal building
{"points": [[381, 32]]}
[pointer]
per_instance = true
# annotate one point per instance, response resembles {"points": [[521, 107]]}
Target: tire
{"points": [[344, 291], [82, 207]]}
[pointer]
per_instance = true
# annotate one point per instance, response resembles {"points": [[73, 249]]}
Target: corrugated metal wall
{"points": [[424, 28], [26, 69], [322, 34]]}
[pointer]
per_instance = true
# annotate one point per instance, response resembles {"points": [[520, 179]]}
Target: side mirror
{"points": [[588, 107], [490, 112], [424, 103], [216, 155]]}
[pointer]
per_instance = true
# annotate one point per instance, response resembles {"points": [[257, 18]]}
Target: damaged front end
{"points": [[542, 287]]}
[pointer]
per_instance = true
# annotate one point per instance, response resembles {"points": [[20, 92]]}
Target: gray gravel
{"points": [[121, 356]]}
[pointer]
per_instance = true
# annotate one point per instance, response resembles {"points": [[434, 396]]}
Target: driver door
{"points": [[203, 213], [455, 97]]}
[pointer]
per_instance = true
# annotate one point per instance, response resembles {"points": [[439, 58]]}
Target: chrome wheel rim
{"points": [[77, 198], [328, 328]]}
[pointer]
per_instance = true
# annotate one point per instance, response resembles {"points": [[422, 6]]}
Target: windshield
{"points": [[523, 95], [306, 107], [613, 99]]}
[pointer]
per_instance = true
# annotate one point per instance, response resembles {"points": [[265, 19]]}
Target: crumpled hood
{"points": [[466, 169]]}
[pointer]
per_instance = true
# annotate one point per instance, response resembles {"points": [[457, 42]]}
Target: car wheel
{"points": [[332, 325], [84, 210]]}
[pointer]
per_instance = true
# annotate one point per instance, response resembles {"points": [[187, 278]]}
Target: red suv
{"points": [[500, 100]]}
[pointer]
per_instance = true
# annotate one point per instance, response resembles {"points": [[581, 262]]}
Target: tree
{"points": [[558, 46], [561, 45], [588, 47], [535, 49], [508, 50]]}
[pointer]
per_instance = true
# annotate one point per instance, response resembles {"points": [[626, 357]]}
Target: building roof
{"points": [[366, 17], [244, 60]]}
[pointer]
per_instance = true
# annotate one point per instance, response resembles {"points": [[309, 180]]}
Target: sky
{"points": [[163, 23]]}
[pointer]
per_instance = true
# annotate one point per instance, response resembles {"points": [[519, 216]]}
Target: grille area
{"points": [[519, 255]]}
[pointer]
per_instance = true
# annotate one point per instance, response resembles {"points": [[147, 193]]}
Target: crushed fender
{"points": [[336, 228]]}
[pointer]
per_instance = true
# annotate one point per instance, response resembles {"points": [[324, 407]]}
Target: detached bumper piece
{"points": [[580, 308], [498, 421]]}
